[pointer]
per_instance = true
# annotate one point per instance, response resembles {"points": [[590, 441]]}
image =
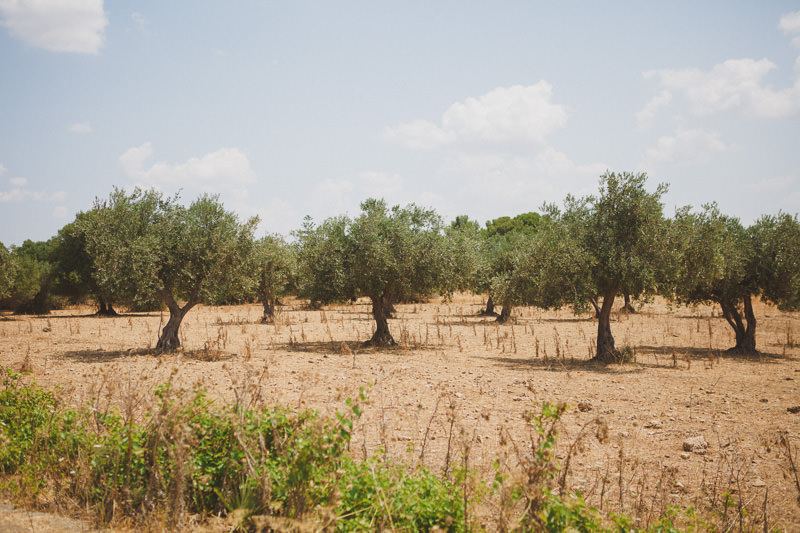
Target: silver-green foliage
{"points": [[596, 246], [144, 245], [723, 262], [386, 254], [274, 267]]}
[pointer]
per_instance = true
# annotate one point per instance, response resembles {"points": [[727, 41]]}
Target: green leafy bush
{"points": [[194, 456]]}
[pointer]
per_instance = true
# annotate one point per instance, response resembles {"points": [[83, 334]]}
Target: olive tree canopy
{"points": [[598, 245], [274, 266], [384, 254], [725, 263], [144, 245]]}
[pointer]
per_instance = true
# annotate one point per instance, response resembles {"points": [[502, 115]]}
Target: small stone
{"points": [[759, 482], [654, 424], [695, 444], [584, 406], [685, 455], [794, 410]]}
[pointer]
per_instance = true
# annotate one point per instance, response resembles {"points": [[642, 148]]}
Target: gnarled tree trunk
{"points": [[505, 313], [743, 328], [489, 311], [627, 307], [382, 337], [169, 341], [388, 308], [106, 309], [606, 351], [269, 309]]}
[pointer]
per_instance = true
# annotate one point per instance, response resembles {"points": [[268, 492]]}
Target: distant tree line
{"points": [[145, 251]]}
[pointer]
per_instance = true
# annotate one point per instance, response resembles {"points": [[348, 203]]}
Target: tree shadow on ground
{"points": [[104, 356], [570, 320], [348, 348], [148, 314], [475, 320], [705, 353], [109, 356], [563, 365]]}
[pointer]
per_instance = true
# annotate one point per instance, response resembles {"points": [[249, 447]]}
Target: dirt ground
{"points": [[459, 381]]}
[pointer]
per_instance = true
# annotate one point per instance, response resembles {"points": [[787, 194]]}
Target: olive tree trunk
{"points": [[169, 340], [489, 311], [627, 306], [382, 336], [269, 309], [106, 309], [505, 313], [606, 351], [388, 308], [743, 327]]}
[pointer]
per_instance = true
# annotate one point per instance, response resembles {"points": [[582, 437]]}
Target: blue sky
{"points": [[480, 108]]}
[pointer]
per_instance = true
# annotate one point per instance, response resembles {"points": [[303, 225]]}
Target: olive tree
{"points": [[274, 267], [144, 245], [725, 263], [502, 239], [776, 259], [321, 262], [73, 270], [464, 240], [597, 245], [384, 254]]}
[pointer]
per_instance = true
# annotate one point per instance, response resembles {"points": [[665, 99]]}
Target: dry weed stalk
{"points": [[428, 430], [792, 466]]}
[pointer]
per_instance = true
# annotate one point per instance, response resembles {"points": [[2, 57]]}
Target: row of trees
{"points": [[143, 250]]}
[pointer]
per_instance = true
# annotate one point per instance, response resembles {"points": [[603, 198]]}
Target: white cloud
{"points": [[278, 216], [790, 23], [331, 198], [734, 85], [227, 169], [56, 25], [81, 127], [380, 185], [495, 153], [18, 193], [2, 169], [685, 147], [770, 185], [504, 117], [515, 184], [647, 114], [60, 212], [139, 19]]}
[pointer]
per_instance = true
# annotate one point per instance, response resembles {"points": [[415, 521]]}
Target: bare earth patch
{"points": [[458, 382]]}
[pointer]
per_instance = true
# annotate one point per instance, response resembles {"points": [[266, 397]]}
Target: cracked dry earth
{"points": [[458, 380]]}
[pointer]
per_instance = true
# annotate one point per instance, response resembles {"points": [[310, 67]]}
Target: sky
{"points": [[295, 108]]}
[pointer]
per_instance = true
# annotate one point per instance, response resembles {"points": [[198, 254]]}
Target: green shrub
{"points": [[194, 456]]}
